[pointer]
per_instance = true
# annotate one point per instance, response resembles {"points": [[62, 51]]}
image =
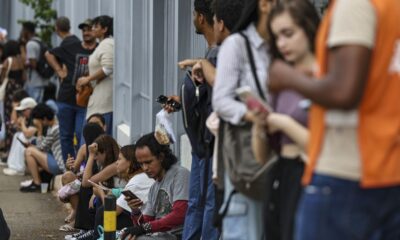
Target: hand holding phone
{"points": [[129, 195], [252, 101], [175, 105]]}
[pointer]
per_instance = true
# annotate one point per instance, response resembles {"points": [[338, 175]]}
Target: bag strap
{"points": [[253, 66]]}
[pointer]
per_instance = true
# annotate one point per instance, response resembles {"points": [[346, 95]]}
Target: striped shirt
{"points": [[234, 70], [51, 143]]}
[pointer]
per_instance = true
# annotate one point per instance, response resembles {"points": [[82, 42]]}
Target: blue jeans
{"points": [[244, 219], [108, 117], [199, 219], [332, 208], [35, 93], [71, 119]]}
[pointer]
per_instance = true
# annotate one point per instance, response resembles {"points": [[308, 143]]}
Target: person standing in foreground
{"points": [[353, 174]]}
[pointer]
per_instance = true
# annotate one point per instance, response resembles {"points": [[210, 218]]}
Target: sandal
{"points": [[67, 228], [70, 218]]}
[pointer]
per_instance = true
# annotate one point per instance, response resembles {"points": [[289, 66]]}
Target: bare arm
{"points": [[80, 157], [52, 60], [341, 88], [99, 75], [204, 69], [290, 127]]}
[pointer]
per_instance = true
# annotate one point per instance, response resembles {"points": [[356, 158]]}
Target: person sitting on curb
{"points": [[164, 214], [47, 153]]}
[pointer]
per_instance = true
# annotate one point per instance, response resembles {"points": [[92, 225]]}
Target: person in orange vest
{"points": [[353, 172]]}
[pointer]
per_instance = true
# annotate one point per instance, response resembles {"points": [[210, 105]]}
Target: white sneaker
{"points": [[26, 183], [12, 172]]}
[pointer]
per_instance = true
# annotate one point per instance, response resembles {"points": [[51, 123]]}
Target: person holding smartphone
{"points": [[163, 215], [292, 27]]}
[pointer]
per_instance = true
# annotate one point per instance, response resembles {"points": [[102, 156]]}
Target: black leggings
{"points": [[284, 191]]}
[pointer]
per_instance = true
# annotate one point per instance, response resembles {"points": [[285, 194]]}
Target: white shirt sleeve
{"points": [[353, 22], [32, 50], [230, 62]]}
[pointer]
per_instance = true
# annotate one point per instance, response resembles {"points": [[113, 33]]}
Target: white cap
{"points": [[26, 103]]}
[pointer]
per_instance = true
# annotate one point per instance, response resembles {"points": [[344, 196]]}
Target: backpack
{"points": [[42, 67], [196, 107]]}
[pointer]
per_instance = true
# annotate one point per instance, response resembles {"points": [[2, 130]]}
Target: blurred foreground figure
{"points": [[354, 166]]}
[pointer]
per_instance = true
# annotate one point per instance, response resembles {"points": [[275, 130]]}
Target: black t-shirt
{"points": [[76, 58]]}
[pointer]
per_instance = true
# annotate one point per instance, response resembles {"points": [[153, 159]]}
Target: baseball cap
{"points": [[26, 103], [86, 23]]}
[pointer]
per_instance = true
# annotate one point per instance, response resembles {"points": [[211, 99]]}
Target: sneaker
{"points": [[26, 183], [89, 235], [75, 235], [31, 188], [3, 163], [12, 172]]}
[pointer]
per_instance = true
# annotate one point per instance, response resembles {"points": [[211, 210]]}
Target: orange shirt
{"points": [[379, 110]]}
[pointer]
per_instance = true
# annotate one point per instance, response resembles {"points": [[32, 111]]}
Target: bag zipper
{"points": [[184, 107]]}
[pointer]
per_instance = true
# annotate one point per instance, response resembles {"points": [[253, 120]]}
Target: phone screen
{"points": [[129, 194]]}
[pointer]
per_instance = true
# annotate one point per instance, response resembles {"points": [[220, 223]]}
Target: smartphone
{"points": [[25, 144], [129, 194], [252, 101], [164, 100], [98, 185]]}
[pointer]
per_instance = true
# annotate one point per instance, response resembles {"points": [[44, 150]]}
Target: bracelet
{"points": [[147, 227]]}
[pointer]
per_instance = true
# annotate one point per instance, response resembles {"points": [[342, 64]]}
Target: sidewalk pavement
{"points": [[35, 216]]}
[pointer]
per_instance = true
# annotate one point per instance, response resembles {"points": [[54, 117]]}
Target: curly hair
{"points": [[161, 152]]}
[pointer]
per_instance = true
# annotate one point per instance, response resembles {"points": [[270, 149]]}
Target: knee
{"points": [[29, 151], [67, 177]]}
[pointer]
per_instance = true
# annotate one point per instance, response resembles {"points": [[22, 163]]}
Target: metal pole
{"points": [[110, 217]]}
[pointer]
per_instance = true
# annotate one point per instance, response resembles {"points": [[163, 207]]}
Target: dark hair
{"points": [[304, 15], [91, 131], [105, 22], [63, 24], [204, 7], [106, 144], [11, 49], [49, 92], [99, 116], [162, 152], [19, 95], [249, 15], [29, 27], [42, 112], [228, 11], [128, 152]]}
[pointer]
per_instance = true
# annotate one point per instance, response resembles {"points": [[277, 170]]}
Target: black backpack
{"points": [[42, 67], [196, 107]]}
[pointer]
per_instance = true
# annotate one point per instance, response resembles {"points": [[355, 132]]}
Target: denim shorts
{"points": [[52, 164]]}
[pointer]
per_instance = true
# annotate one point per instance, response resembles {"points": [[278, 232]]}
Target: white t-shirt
{"points": [[353, 22], [33, 52], [140, 185]]}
